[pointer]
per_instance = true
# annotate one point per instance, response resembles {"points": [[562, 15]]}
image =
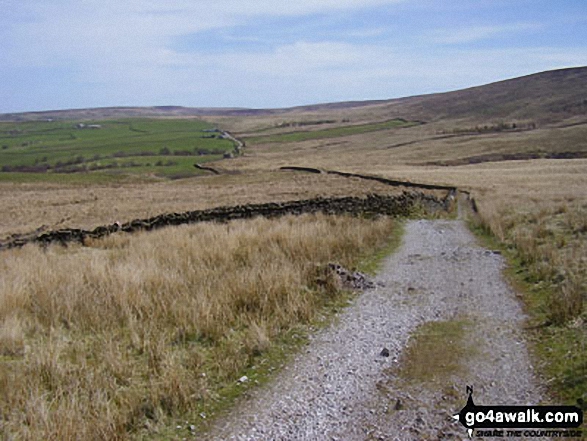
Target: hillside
{"points": [[545, 97], [143, 332]]}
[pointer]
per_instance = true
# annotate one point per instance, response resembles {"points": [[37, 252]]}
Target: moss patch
{"points": [[435, 353]]}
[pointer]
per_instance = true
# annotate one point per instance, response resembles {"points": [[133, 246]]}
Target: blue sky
{"points": [[59, 54]]}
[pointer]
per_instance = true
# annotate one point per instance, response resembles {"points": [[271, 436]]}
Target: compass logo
{"points": [[510, 418]]}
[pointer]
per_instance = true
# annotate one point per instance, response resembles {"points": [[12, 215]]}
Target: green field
{"points": [[334, 132], [49, 150]]}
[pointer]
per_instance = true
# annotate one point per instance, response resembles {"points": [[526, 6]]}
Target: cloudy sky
{"points": [[59, 54]]}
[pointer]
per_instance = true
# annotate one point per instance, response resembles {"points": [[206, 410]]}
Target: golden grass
{"points": [[546, 248], [411, 146], [122, 337], [550, 240], [26, 207], [537, 208]]}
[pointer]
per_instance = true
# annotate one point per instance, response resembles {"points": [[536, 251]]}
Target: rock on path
{"points": [[341, 386]]}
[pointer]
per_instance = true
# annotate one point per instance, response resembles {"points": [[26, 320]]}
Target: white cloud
{"points": [[292, 59], [121, 53], [106, 31], [259, 7], [477, 33], [309, 73]]}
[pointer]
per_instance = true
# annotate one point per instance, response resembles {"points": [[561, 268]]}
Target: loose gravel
{"points": [[343, 386]]}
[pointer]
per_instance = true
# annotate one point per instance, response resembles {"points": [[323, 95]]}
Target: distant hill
{"points": [[102, 113], [544, 97]]}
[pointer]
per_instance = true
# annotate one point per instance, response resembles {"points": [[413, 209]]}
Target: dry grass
{"points": [[99, 342], [26, 207], [411, 146], [122, 337], [550, 241], [547, 248], [537, 208]]}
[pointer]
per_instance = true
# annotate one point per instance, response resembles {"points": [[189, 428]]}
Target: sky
{"points": [[63, 54]]}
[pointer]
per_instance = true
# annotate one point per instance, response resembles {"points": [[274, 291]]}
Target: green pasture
{"points": [[334, 132], [50, 150]]}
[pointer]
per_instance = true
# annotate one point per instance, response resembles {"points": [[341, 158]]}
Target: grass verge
{"points": [[128, 337], [265, 366], [557, 331], [371, 263]]}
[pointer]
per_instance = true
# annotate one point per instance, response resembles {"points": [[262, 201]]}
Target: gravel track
{"points": [[341, 388]]}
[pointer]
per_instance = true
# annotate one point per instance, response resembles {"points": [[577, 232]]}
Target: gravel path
{"points": [[341, 387]]}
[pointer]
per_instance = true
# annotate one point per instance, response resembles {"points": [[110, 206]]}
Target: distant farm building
{"points": [[89, 126]]}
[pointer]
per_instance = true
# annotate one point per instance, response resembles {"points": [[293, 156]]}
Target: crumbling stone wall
{"points": [[393, 205]]}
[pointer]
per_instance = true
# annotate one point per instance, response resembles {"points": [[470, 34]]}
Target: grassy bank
{"points": [[547, 250], [136, 332]]}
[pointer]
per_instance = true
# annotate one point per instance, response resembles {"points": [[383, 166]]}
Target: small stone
{"points": [[192, 428], [203, 415], [243, 379], [384, 352]]}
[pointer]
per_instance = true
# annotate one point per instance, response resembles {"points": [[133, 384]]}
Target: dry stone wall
{"points": [[392, 182], [393, 205]]}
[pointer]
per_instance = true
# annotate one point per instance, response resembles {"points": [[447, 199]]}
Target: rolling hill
{"points": [[518, 147], [547, 97]]}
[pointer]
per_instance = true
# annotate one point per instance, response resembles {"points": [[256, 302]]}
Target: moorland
{"points": [[141, 313]]}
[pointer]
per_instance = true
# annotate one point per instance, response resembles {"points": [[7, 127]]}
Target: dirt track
{"points": [[341, 387]]}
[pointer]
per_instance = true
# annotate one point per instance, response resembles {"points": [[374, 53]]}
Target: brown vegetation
{"points": [[26, 207], [95, 341], [532, 205], [124, 336]]}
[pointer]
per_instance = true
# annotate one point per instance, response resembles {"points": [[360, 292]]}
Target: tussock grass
{"points": [[547, 247], [550, 243], [26, 207], [123, 337]]}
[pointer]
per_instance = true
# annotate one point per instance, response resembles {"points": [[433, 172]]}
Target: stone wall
{"points": [[394, 205]]}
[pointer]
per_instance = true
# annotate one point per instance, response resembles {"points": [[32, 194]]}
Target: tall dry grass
{"points": [[550, 241], [26, 207], [107, 341]]}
